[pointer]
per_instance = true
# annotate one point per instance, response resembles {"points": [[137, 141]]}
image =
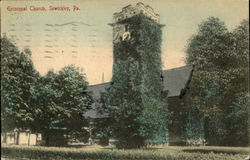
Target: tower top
{"points": [[139, 8]]}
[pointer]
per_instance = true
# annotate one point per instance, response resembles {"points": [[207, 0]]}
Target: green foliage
{"points": [[60, 100], [238, 118], [102, 131], [46, 110], [42, 104], [71, 84], [220, 79], [154, 121], [135, 97], [18, 79], [194, 128], [140, 125], [103, 127], [126, 125], [154, 154]]}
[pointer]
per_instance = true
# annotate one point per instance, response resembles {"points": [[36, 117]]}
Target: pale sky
{"points": [[84, 38]]}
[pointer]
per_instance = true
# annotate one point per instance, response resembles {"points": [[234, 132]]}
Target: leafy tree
{"points": [[237, 114], [218, 57], [71, 84], [18, 79], [60, 100], [138, 111], [207, 50], [46, 110]]}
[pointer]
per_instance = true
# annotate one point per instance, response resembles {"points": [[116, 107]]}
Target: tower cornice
{"points": [[139, 8]]}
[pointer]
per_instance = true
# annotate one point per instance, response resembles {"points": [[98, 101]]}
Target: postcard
{"points": [[96, 75]]}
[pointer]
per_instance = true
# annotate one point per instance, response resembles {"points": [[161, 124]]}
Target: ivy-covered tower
{"points": [[135, 94], [137, 37]]}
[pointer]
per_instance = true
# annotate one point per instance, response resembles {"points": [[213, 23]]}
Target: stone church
{"points": [[175, 81]]}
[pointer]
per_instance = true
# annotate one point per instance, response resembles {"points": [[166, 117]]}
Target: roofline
{"points": [[174, 97], [180, 67], [99, 84], [183, 90], [187, 83], [162, 70]]}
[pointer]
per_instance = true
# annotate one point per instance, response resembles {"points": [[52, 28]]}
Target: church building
{"points": [[174, 82]]}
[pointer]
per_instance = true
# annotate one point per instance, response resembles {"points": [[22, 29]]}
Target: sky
{"points": [[80, 33]]}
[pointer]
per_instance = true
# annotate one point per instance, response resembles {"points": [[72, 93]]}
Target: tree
{"points": [[41, 104], [71, 84], [60, 100], [46, 110], [18, 79], [208, 51], [237, 114], [217, 55]]}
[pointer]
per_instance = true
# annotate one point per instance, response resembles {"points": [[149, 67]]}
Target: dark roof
{"points": [[96, 111], [176, 80], [97, 89]]}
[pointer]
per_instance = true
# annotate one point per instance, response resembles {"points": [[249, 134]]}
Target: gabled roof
{"points": [[97, 110], [176, 80], [97, 89]]}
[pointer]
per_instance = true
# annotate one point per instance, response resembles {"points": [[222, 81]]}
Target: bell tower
{"points": [[121, 31], [137, 36], [137, 84]]}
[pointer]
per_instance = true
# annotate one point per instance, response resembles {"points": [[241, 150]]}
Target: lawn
{"points": [[110, 153]]}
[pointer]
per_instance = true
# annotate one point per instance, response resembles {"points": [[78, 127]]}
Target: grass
{"points": [[110, 153], [214, 149]]}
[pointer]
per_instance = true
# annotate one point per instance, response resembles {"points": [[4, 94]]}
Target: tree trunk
{"points": [[45, 138], [67, 138], [29, 139], [36, 138], [5, 137], [17, 137], [90, 131]]}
